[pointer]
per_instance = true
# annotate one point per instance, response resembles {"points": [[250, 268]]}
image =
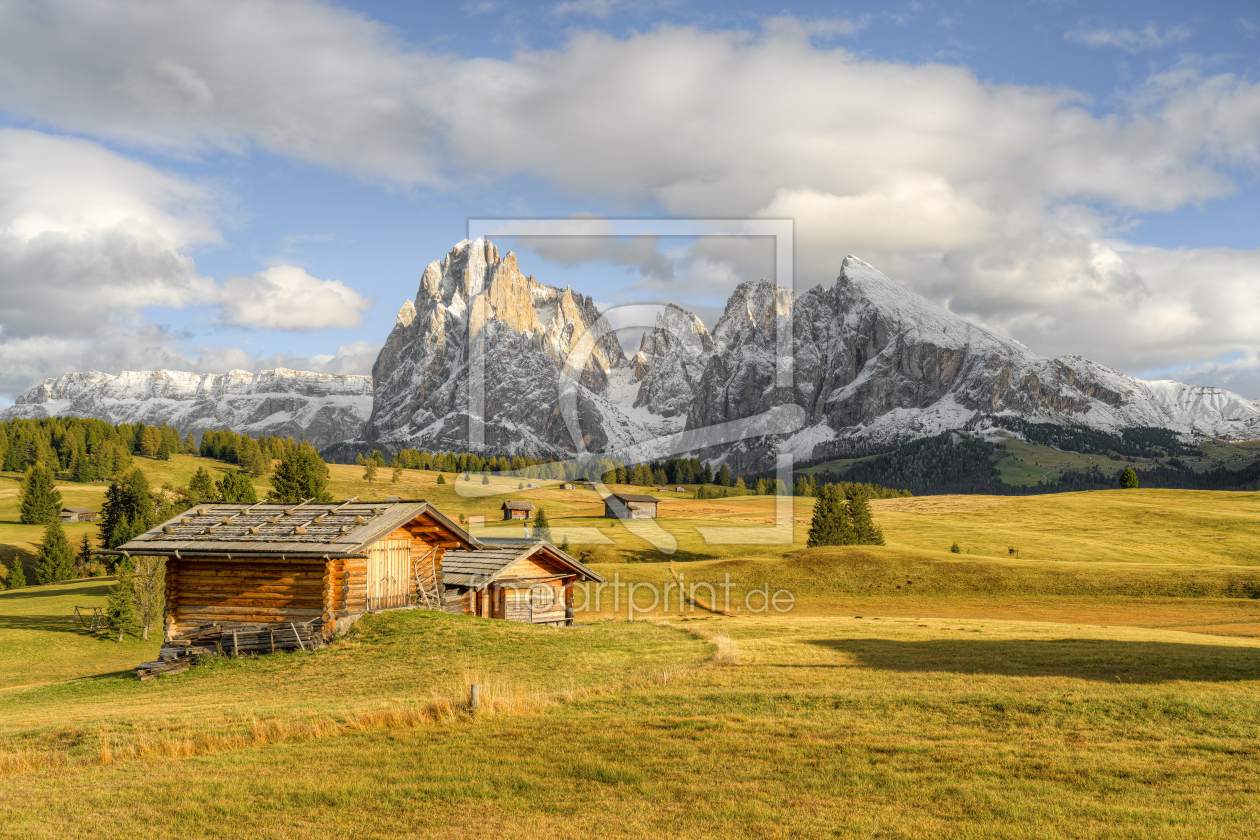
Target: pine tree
{"points": [[542, 527], [163, 451], [485, 478], [864, 527], [201, 488], [830, 524], [724, 476], [441, 479], [190, 444], [120, 607], [55, 557], [1129, 478], [85, 555], [397, 475], [301, 474], [706, 476], [236, 488], [128, 501], [17, 574], [41, 501]]}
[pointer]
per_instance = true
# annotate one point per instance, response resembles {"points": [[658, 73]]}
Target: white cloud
{"points": [[89, 240], [1148, 37], [1007, 201], [285, 297]]}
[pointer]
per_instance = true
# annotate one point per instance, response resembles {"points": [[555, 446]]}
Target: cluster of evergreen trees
{"points": [[255, 456], [1139, 442], [808, 485], [842, 517]]}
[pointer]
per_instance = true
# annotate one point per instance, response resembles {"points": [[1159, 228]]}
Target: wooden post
{"points": [[298, 636], [235, 648], [474, 697]]}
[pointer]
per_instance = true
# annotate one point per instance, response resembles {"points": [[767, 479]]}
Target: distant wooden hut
{"points": [[311, 564], [630, 506], [566, 486], [78, 514], [515, 580], [517, 510]]}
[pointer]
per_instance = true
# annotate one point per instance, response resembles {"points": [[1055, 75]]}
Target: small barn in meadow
{"points": [[309, 564], [568, 485], [78, 514], [630, 506], [515, 580], [517, 510]]}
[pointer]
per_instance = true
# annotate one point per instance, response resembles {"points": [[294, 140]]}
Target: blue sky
{"points": [[204, 186]]}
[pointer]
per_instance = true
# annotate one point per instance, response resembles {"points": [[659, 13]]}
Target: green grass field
{"points": [[1102, 684]]}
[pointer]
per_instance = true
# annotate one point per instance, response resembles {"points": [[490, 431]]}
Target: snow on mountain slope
{"points": [[319, 407]]}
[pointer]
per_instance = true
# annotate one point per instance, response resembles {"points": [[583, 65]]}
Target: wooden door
{"points": [[389, 574]]}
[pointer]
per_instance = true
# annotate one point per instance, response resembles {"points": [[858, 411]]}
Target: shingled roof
{"points": [[513, 505], [475, 569], [299, 530]]}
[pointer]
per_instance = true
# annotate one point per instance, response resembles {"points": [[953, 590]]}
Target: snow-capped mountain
{"points": [[487, 356], [871, 363], [319, 407]]}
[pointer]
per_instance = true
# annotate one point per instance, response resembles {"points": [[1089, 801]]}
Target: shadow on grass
{"points": [[1087, 659], [100, 590]]}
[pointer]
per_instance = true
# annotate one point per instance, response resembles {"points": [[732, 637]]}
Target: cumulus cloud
{"points": [[285, 297], [1148, 37], [89, 240], [1008, 202]]}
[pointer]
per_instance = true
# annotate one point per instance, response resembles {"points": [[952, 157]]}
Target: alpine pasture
{"points": [[1084, 666]]}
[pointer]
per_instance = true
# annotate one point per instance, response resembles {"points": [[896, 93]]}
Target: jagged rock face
{"points": [[319, 407], [671, 361], [477, 318], [870, 363], [876, 363]]}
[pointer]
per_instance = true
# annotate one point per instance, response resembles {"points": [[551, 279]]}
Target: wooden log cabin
{"points": [[630, 506], [309, 563], [517, 510], [515, 580]]}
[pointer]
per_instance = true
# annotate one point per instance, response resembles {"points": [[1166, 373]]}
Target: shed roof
{"points": [[511, 505], [77, 510], [476, 569], [631, 497], [301, 530]]}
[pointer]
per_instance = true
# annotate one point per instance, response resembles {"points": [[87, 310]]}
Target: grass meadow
{"points": [[1102, 683]]}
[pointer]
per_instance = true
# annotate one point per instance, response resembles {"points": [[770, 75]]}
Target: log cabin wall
{"points": [[246, 591]]}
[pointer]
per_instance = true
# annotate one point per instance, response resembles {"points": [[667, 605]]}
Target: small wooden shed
{"points": [[517, 510], [309, 563], [630, 506], [78, 514], [515, 580], [568, 485]]}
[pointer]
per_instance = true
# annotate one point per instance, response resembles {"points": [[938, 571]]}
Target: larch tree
{"points": [[1129, 479]]}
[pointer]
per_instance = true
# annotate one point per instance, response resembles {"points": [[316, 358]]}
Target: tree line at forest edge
{"points": [[963, 463]]}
